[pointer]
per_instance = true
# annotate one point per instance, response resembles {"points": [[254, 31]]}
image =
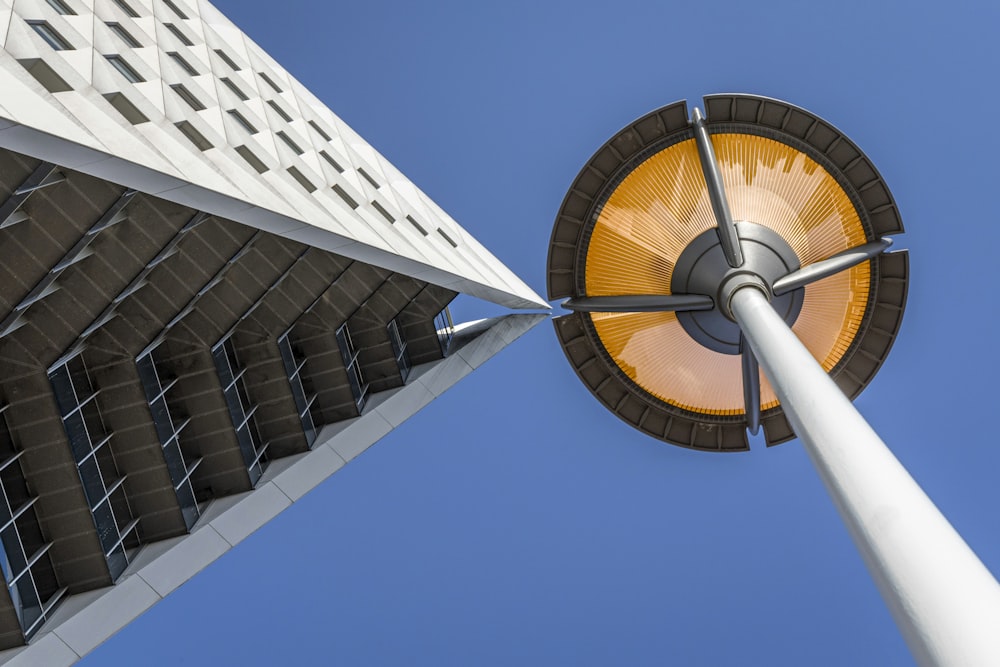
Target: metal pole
{"points": [[944, 600]]}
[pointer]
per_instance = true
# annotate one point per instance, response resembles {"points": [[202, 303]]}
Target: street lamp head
{"points": [[677, 213]]}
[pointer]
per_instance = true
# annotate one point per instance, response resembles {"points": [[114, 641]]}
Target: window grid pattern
{"points": [[183, 63], [124, 35], [241, 409], [124, 68], [349, 354], [295, 366], [157, 383], [24, 558], [399, 350], [89, 440]]}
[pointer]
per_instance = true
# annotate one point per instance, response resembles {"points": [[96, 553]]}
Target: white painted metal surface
{"points": [[945, 601]]}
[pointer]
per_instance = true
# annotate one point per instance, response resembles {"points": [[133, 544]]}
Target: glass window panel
{"points": [[14, 489], [79, 441], [117, 562], [161, 420], [175, 462], [29, 607], [16, 560], [93, 484], [188, 504], [107, 529], [147, 373], [63, 386]]}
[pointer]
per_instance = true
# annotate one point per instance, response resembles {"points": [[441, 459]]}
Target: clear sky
{"points": [[515, 521]]}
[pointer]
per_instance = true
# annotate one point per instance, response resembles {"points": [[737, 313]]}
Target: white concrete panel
{"points": [[355, 436], [253, 510], [187, 557], [298, 477], [47, 650], [439, 376], [397, 407], [109, 613]]}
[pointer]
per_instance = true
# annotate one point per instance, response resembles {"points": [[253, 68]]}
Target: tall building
{"points": [[213, 294]]}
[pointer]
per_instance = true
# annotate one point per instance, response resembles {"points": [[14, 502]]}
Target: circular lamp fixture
{"points": [[673, 215]]}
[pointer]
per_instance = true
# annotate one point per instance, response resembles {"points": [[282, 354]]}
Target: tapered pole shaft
{"points": [[944, 600]]}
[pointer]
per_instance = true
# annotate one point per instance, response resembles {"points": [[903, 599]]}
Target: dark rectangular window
{"points": [[233, 87], [319, 130], [398, 342], [124, 35], [242, 410], [183, 63], [127, 8], [175, 9], [179, 34], [242, 121], [193, 135], [447, 238], [302, 180], [251, 159], [289, 142], [381, 209], [226, 59], [333, 163], [188, 96], [278, 110], [342, 193], [60, 7], [368, 177], [51, 36], [269, 81], [126, 108], [124, 68], [417, 225]]}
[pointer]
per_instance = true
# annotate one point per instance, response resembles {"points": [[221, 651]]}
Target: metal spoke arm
{"points": [[728, 237], [639, 303], [829, 266], [751, 386]]}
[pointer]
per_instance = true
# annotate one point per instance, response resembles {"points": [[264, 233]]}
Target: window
{"points": [[175, 9], [127, 8], [157, 384], [188, 96], [193, 135], [126, 108], [333, 163], [319, 130], [183, 63], [302, 180], [124, 35], [60, 7], [178, 34], [289, 142], [399, 349], [233, 87], [348, 199], [381, 209], [445, 330], [447, 238], [417, 225], [242, 121], [251, 159], [269, 81], [224, 57], [51, 36], [27, 566], [242, 409], [124, 68], [349, 354], [278, 110], [375, 184], [89, 440], [295, 363]]}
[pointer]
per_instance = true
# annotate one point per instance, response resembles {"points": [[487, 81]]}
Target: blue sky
{"points": [[514, 520]]}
